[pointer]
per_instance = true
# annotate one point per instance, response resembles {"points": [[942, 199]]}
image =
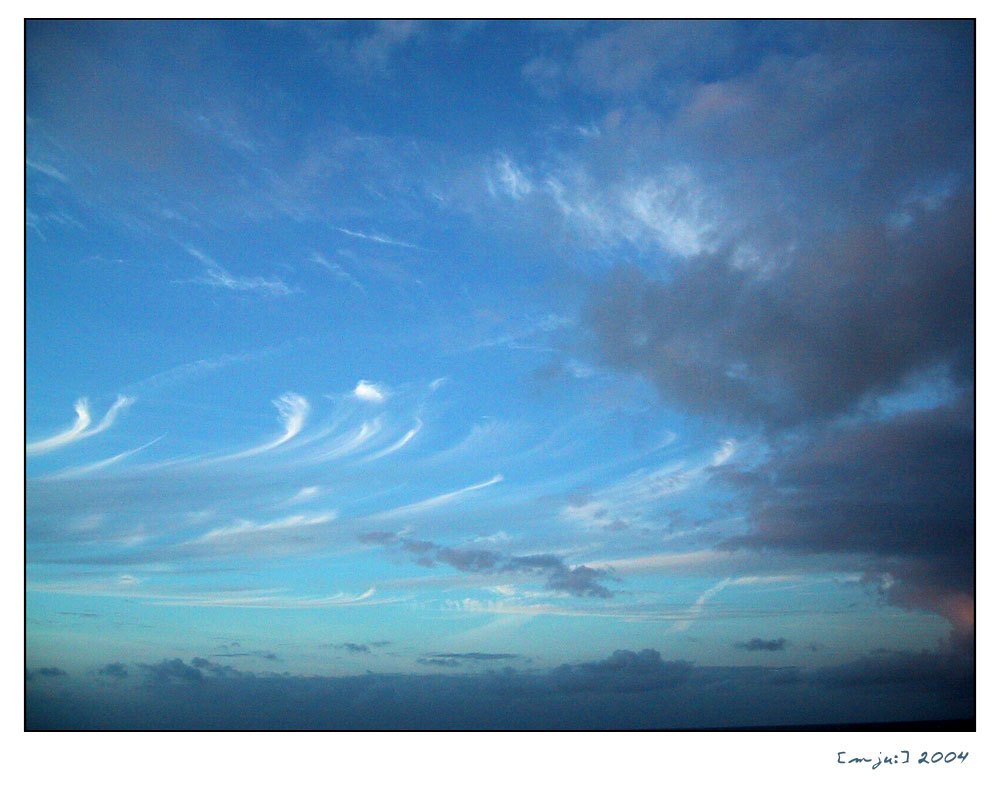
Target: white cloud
{"points": [[306, 493], [71, 434], [292, 412], [338, 271], [514, 181], [398, 444], [697, 609], [79, 430], [724, 453], [246, 528], [346, 444], [377, 239], [46, 169], [100, 465], [439, 500], [369, 392], [673, 211], [217, 276]]}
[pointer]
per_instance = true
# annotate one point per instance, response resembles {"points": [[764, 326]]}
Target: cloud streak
{"points": [[293, 410], [436, 501], [79, 430], [374, 238]]}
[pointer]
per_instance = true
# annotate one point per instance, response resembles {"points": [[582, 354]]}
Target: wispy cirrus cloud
{"points": [[436, 501], [94, 467], [245, 529], [79, 430], [400, 443], [217, 276], [338, 271], [377, 238], [292, 412], [47, 169]]}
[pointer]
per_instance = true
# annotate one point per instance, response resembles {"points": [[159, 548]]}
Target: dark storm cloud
{"points": [[844, 276], [578, 581], [115, 670], [762, 644], [900, 489], [624, 671], [45, 672], [435, 661], [256, 654], [951, 672], [170, 670], [853, 317], [627, 690]]}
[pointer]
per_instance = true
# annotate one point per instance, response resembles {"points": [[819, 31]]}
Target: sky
{"points": [[499, 375]]}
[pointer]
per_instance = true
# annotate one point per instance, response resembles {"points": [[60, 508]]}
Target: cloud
{"points": [[194, 369], [625, 671], [103, 463], [627, 690], [170, 670], [375, 238], [338, 271], [267, 655], [305, 493], [75, 432], [762, 644], [369, 392], [695, 610], [436, 501], [356, 647], [45, 672], [246, 533], [46, 169], [346, 444], [625, 58], [115, 670], [293, 410], [851, 320], [398, 444], [79, 430], [581, 581], [455, 660], [369, 48], [900, 490], [512, 179], [217, 276]]}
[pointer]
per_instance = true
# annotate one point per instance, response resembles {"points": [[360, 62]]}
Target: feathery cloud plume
{"points": [[79, 430]]}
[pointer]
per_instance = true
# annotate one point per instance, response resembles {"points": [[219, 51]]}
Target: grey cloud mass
{"points": [[464, 659], [852, 318], [762, 644], [627, 690], [577, 581], [115, 670], [834, 319]]}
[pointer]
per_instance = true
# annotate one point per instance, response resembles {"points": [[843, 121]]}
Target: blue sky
{"points": [[431, 349]]}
